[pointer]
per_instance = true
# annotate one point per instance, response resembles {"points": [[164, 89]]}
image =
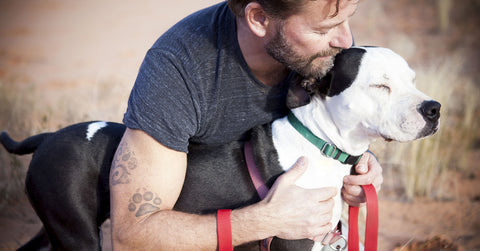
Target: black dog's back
{"points": [[69, 173], [67, 181]]}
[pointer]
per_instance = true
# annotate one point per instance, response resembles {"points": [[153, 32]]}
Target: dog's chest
{"points": [[322, 171]]}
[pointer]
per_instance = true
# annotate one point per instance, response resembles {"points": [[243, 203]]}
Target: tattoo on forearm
{"points": [[143, 204], [123, 162]]}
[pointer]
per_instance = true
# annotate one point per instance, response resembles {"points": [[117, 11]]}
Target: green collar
{"points": [[326, 148]]}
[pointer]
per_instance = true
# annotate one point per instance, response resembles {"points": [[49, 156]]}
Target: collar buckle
{"points": [[328, 150]]}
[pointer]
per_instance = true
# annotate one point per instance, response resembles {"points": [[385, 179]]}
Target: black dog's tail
{"points": [[29, 145]]}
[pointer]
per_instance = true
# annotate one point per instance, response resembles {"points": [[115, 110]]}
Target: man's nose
{"points": [[342, 37]]}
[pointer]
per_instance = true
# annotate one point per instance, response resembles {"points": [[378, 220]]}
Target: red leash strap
{"points": [[371, 232], [353, 229], [224, 230], [261, 188]]}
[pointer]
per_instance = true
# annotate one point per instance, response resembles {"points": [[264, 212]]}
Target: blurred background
{"points": [[66, 61]]}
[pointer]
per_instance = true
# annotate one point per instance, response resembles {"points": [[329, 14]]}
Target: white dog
{"points": [[376, 88]]}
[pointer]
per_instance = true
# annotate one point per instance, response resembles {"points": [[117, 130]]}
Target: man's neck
{"points": [[266, 69]]}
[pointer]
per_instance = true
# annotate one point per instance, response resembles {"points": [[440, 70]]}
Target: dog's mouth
{"points": [[429, 130], [426, 132], [406, 134], [386, 138]]}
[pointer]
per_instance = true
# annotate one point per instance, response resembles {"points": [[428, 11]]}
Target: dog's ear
{"points": [[345, 70], [324, 85], [297, 94], [302, 89]]}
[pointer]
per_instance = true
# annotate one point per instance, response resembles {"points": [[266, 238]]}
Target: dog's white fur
{"points": [[94, 128], [381, 103]]}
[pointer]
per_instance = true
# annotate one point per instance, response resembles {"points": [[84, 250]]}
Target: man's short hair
{"points": [[275, 8]]}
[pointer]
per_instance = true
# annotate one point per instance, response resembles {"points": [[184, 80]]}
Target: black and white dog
{"points": [[368, 95]]}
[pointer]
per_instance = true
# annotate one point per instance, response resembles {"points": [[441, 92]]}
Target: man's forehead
{"points": [[329, 9]]}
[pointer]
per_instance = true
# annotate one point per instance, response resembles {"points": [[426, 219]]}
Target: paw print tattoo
{"points": [[145, 203]]}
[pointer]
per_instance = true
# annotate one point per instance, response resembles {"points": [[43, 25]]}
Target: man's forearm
{"points": [[168, 230], [250, 224]]}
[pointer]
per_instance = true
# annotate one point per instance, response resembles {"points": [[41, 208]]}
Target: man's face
{"points": [[308, 41]]}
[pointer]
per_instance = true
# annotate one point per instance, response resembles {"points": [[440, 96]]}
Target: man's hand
{"points": [[369, 172], [300, 213]]}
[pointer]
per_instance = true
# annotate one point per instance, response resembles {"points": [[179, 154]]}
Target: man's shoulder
{"points": [[202, 25], [196, 44]]}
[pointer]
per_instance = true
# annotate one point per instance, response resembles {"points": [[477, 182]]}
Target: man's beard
{"points": [[280, 50]]}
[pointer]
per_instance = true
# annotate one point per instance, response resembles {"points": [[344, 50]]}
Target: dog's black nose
{"points": [[430, 110]]}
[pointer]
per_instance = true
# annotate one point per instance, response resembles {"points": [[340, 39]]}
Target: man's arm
{"points": [[146, 179]]}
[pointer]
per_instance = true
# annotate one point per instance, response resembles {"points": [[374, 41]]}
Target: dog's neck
{"points": [[350, 138], [322, 171]]}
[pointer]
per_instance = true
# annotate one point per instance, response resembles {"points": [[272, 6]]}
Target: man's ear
{"points": [[256, 18]]}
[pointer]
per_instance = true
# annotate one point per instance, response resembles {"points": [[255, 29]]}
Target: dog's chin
{"points": [[428, 131], [399, 137]]}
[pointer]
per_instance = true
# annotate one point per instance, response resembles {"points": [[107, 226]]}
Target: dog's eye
{"points": [[382, 87]]}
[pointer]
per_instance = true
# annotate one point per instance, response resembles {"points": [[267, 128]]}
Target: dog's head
{"points": [[371, 90]]}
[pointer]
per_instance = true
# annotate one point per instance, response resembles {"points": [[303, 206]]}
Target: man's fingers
{"points": [[367, 162], [353, 190], [362, 166], [364, 179], [325, 194], [297, 170], [355, 196], [357, 200], [323, 234]]}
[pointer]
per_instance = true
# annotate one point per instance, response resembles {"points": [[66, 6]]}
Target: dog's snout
{"points": [[430, 110]]}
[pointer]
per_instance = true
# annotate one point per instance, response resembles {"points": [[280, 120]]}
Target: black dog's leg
{"points": [[67, 184], [38, 242], [69, 214]]}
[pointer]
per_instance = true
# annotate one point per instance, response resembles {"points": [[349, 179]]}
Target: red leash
{"points": [[371, 231], [261, 188], [224, 230]]}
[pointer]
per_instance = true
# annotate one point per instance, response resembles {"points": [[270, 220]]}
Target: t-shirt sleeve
{"points": [[162, 103]]}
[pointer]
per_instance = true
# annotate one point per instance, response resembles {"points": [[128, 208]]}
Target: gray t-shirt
{"points": [[194, 85]]}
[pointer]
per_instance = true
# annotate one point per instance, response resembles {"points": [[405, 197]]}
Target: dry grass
{"points": [[24, 112], [421, 165], [444, 9], [15, 111]]}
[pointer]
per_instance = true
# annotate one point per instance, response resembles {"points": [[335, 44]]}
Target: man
{"points": [[208, 80]]}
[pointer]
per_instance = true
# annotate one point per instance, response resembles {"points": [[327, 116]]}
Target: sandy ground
{"points": [[79, 60]]}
